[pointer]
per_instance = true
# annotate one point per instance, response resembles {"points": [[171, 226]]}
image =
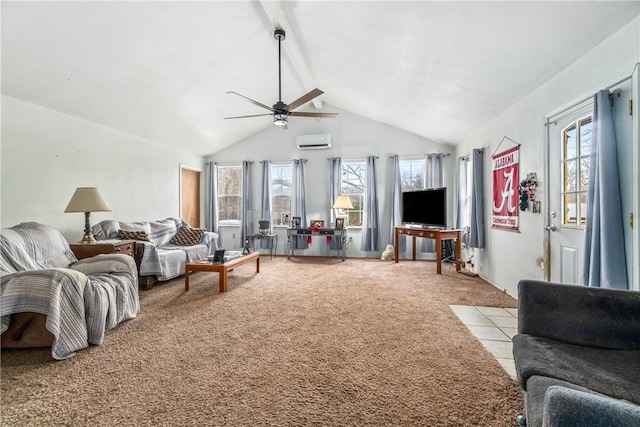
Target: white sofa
{"points": [[164, 254]]}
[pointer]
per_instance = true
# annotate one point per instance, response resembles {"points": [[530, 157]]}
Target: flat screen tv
{"points": [[426, 208]]}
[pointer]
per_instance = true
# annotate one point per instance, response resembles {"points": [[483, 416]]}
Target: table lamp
{"points": [[342, 202], [87, 200]]}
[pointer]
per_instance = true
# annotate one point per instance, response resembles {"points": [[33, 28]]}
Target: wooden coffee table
{"points": [[221, 269]]}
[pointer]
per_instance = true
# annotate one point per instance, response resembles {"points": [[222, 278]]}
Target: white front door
{"points": [[569, 149], [568, 159]]}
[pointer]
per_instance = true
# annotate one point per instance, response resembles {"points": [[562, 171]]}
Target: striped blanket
{"points": [[81, 301]]}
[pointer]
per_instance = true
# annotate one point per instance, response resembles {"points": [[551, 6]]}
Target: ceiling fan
{"points": [[281, 111]]}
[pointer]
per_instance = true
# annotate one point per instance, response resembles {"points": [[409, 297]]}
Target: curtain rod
{"points": [[426, 154], [586, 98], [283, 161]]}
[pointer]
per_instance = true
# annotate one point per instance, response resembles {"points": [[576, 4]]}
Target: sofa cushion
{"points": [[534, 398], [187, 236], [564, 406], [615, 373], [133, 235]]}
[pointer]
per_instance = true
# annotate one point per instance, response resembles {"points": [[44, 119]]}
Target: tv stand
{"points": [[429, 233]]}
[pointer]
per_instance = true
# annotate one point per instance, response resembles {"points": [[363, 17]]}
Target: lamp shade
{"points": [[342, 202], [87, 199]]}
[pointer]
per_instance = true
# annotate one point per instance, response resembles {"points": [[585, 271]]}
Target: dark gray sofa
{"points": [[577, 355]]}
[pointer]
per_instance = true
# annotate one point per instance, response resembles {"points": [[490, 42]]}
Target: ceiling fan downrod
{"points": [[279, 34]]}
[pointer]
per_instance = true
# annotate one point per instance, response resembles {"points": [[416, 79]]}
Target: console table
{"points": [[429, 233], [322, 232]]}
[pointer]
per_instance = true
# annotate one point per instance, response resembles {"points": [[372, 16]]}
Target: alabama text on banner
{"points": [[505, 185]]}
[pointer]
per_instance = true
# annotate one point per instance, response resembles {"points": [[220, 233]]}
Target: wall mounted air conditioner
{"points": [[316, 141]]}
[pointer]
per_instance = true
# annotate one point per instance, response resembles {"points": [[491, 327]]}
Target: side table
{"points": [[86, 250], [272, 238]]}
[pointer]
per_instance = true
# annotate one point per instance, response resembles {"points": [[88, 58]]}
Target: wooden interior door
{"points": [[190, 190]]}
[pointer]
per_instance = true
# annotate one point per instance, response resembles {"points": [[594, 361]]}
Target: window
{"points": [[353, 185], [281, 180], [576, 156], [412, 174], [229, 195]]}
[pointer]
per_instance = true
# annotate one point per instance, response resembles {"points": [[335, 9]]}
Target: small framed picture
{"points": [[339, 222], [218, 256], [285, 219], [317, 223], [536, 207], [295, 222]]}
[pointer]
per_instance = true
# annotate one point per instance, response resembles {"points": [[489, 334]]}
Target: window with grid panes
{"points": [[281, 180], [229, 195], [353, 185], [412, 174], [576, 158]]}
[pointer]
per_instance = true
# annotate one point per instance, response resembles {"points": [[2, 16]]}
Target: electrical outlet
{"points": [[233, 236]]}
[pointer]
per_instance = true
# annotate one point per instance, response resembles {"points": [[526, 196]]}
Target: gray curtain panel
{"points": [[265, 200], [462, 213], [247, 209], [211, 197], [335, 184], [396, 204], [371, 227], [335, 188], [433, 178], [604, 263], [299, 201], [476, 229], [434, 170]]}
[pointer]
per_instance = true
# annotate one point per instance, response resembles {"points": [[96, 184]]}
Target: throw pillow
{"points": [[187, 236], [135, 226], [133, 235]]}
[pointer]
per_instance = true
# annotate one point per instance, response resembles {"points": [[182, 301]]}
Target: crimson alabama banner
{"points": [[505, 189]]}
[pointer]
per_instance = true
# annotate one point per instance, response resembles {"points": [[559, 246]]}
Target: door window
{"points": [[576, 158]]}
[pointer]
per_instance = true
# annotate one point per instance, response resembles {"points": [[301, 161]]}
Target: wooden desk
{"points": [[429, 233], [221, 269]]}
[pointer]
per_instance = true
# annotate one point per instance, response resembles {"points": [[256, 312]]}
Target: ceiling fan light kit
{"points": [[280, 110], [280, 119]]}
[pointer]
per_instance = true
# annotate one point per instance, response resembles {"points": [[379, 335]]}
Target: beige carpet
{"points": [[307, 341]]}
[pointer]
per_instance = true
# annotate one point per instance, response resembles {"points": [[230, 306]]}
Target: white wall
{"points": [[509, 257], [353, 138], [47, 154]]}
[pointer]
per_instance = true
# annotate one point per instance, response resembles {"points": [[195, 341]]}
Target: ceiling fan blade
{"points": [[304, 99], [252, 101], [302, 114], [253, 115]]}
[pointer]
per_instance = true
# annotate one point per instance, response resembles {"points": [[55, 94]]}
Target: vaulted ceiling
{"points": [[161, 70]]}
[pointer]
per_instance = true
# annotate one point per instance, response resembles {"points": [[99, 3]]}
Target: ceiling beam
{"points": [[291, 47]]}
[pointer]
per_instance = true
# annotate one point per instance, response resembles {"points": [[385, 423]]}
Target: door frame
{"points": [[635, 96], [548, 123], [191, 168]]}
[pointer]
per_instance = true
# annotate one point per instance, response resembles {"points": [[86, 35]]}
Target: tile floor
{"points": [[494, 327]]}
